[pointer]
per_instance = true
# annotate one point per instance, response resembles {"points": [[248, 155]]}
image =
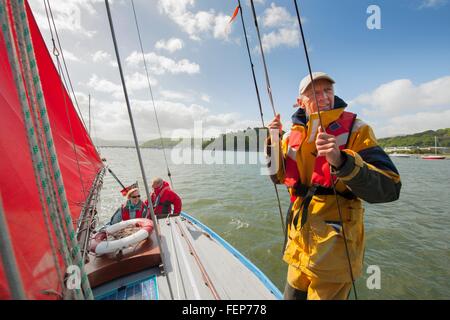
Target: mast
{"points": [[89, 114], [144, 178], [435, 145]]}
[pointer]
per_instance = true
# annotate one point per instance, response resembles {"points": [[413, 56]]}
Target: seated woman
{"points": [[163, 198], [133, 208]]}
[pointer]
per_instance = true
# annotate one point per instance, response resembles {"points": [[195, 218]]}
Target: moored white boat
{"points": [[399, 155]]}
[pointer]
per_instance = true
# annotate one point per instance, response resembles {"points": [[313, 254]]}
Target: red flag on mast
{"points": [[125, 190], [234, 14]]}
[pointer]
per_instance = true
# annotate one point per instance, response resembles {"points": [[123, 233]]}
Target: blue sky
{"points": [[397, 78]]}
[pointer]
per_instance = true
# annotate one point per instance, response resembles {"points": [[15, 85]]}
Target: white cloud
{"points": [[281, 28], [102, 56], [414, 123], [188, 96], [196, 24], [277, 17], [283, 36], [402, 95], [432, 3], [161, 64], [171, 45], [255, 2], [70, 56], [174, 95], [134, 82], [67, 15], [112, 122], [106, 86], [401, 107], [138, 81]]}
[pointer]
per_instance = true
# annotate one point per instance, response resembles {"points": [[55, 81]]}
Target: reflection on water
{"points": [[408, 239]]}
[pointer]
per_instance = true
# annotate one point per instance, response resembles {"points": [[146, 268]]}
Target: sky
{"points": [[396, 77]]}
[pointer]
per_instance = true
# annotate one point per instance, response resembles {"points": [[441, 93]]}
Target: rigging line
{"points": [[90, 206], [56, 53], [136, 142], [26, 53], [189, 271], [115, 177], [269, 91], [89, 107], [19, 78], [251, 64], [266, 72], [329, 165], [24, 28], [46, 209], [200, 265], [151, 93], [64, 61], [83, 188]]}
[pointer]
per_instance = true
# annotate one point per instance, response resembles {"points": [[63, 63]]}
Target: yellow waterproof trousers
{"points": [[315, 288]]}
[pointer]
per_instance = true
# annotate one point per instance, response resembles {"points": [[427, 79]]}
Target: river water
{"points": [[408, 239]]}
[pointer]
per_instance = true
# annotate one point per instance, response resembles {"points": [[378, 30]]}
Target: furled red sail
{"points": [[78, 160]]}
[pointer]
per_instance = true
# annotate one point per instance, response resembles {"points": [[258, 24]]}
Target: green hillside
{"points": [[156, 143], [171, 143], [243, 140], [421, 139]]}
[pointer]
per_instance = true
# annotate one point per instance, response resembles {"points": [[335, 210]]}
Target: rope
{"points": [[89, 212], [151, 94], [162, 147], [37, 160], [251, 64], [52, 200], [329, 165], [56, 54], [67, 219], [203, 271], [64, 60], [269, 92]]}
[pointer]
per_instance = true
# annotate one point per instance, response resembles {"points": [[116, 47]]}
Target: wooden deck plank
{"points": [[186, 273]]}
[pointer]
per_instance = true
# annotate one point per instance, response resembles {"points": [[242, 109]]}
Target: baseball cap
{"points": [[306, 81]]}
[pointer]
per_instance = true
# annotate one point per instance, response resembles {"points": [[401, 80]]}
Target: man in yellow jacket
{"points": [[309, 159]]}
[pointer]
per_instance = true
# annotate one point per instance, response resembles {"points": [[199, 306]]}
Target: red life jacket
{"points": [[321, 176], [321, 179], [139, 212]]}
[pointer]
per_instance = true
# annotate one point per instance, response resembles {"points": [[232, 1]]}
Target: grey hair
{"points": [[157, 180]]}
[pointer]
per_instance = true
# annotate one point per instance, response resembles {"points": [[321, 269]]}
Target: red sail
{"points": [[18, 186]]}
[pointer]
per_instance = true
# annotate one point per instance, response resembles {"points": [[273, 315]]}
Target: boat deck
{"points": [[199, 266]]}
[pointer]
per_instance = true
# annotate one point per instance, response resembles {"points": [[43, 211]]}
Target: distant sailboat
{"points": [[399, 155], [435, 156]]}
